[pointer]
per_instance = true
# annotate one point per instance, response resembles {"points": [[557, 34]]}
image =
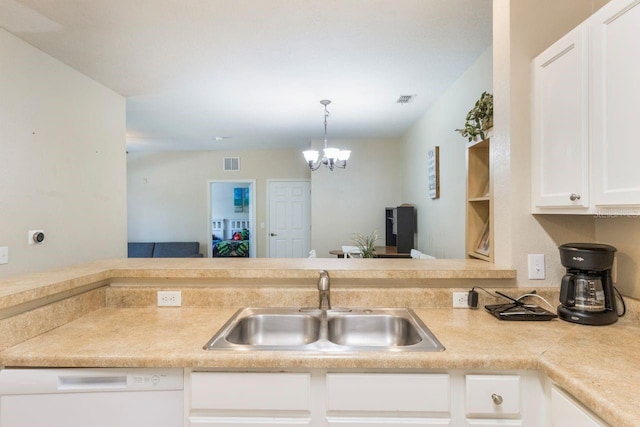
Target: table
{"points": [[380, 252]]}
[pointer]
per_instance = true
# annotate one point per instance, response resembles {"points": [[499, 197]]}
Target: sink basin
{"points": [[275, 329], [339, 330], [372, 330]]}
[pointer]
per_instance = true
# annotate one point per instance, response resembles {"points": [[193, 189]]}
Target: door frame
{"points": [[252, 212], [267, 209]]}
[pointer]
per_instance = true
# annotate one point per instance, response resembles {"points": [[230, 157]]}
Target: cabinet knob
{"points": [[273, 234], [573, 197], [497, 399]]}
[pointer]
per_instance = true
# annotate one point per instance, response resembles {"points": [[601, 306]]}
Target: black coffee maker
{"points": [[587, 293]]}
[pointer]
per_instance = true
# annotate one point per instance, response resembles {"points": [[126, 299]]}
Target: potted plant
{"points": [[479, 118], [366, 243]]}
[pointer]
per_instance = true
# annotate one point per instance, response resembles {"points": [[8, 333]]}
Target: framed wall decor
{"points": [[433, 172]]}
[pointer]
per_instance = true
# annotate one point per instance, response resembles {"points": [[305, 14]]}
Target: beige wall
{"points": [[352, 200], [168, 191], [441, 222], [62, 162], [523, 29]]}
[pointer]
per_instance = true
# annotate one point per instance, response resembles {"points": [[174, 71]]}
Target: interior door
{"points": [[289, 219]]}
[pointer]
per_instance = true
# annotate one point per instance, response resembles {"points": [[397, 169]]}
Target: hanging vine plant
{"points": [[479, 119]]}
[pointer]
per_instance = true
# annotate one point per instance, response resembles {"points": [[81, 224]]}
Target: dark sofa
{"points": [[164, 250]]}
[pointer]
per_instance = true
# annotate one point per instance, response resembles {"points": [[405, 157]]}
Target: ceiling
{"points": [[254, 71]]}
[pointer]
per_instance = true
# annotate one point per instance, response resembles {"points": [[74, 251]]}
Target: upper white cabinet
{"points": [[615, 91], [560, 145], [586, 97]]}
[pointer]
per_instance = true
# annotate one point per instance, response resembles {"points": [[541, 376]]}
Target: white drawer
{"points": [[492, 395], [387, 422], [494, 423], [250, 391], [388, 392]]}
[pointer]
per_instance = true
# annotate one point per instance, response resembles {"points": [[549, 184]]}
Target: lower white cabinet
{"points": [[387, 399], [317, 398], [566, 412], [248, 399]]}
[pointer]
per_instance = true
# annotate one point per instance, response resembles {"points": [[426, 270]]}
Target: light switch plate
{"points": [[536, 266], [4, 255]]}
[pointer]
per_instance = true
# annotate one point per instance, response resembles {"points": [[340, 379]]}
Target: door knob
{"points": [[273, 234]]}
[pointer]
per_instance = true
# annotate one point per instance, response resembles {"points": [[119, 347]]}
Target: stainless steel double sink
{"points": [[335, 330]]}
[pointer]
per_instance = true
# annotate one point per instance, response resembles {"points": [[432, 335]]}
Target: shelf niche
{"points": [[479, 218]]}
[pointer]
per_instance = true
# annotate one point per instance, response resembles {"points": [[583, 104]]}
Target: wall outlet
{"points": [[461, 300], [536, 266], [4, 255], [169, 298]]}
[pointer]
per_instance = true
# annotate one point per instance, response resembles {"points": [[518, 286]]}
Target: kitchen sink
{"points": [[274, 329], [337, 330]]}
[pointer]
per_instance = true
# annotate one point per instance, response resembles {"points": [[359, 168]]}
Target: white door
{"points": [[289, 219], [560, 133], [615, 47]]}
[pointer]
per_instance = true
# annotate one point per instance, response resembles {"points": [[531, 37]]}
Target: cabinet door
{"points": [[615, 43], [565, 412], [560, 129]]}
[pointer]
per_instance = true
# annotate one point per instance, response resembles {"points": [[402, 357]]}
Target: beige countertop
{"points": [[589, 362], [25, 288]]}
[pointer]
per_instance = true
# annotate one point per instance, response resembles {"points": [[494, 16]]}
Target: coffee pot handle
{"points": [[568, 290]]}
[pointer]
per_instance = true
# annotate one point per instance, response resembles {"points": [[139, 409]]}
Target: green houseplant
{"points": [[366, 243], [479, 119]]}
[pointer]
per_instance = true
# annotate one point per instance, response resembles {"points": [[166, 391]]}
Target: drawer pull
{"points": [[497, 399], [573, 197]]}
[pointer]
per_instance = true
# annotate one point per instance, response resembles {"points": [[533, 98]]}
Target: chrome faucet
{"points": [[324, 287]]}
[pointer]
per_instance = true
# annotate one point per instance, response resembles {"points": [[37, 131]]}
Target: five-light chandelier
{"points": [[331, 157]]}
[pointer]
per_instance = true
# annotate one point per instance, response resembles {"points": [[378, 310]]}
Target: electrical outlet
{"points": [[461, 300], [536, 266], [4, 254], [169, 298]]}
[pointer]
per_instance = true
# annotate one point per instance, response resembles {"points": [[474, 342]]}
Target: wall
{"points": [[352, 200], [62, 162], [222, 200], [441, 222], [523, 29], [167, 191]]}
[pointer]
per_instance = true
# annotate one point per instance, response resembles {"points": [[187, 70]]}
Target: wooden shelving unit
{"points": [[479, 227]]}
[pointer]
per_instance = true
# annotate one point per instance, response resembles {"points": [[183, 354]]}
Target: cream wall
{"points": [[523, 29], [441, 222], [352, 200], [62, 162], [168, 191]]}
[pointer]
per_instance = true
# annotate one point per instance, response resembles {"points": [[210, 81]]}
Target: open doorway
{"points": [[231, 217]]}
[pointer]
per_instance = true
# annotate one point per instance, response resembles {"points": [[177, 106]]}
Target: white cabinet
{"points": [[615, 67], [560, 138], [380, 399], [248, 399], [586, 102], [566, 412]]}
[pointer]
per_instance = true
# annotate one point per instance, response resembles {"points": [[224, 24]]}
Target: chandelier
{"points": [[331, 157]]}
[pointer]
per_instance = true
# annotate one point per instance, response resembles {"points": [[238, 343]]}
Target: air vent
{"points": [[231, 164], [405, 99]]}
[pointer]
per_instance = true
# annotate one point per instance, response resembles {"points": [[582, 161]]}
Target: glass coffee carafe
{"points": [[589, 294]]}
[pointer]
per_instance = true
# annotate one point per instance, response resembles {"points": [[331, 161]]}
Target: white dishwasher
{"points": [[100, 397]]}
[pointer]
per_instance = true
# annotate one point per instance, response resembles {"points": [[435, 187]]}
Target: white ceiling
{"points": [[255, 70]]}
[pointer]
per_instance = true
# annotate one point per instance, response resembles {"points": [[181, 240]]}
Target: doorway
{"points": [[289, 218], [231, 218]]}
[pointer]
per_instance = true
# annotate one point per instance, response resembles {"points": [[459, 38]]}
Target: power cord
{"points": [[472, 298]]}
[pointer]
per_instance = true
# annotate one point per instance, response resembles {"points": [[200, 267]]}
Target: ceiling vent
{"points": [[405, 99], [231, 164]]}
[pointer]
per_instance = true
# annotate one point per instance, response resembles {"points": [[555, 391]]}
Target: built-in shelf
{"points": [[479, 227]]}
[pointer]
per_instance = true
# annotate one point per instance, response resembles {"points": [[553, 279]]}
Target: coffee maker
{"points": [[587, 293]]}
